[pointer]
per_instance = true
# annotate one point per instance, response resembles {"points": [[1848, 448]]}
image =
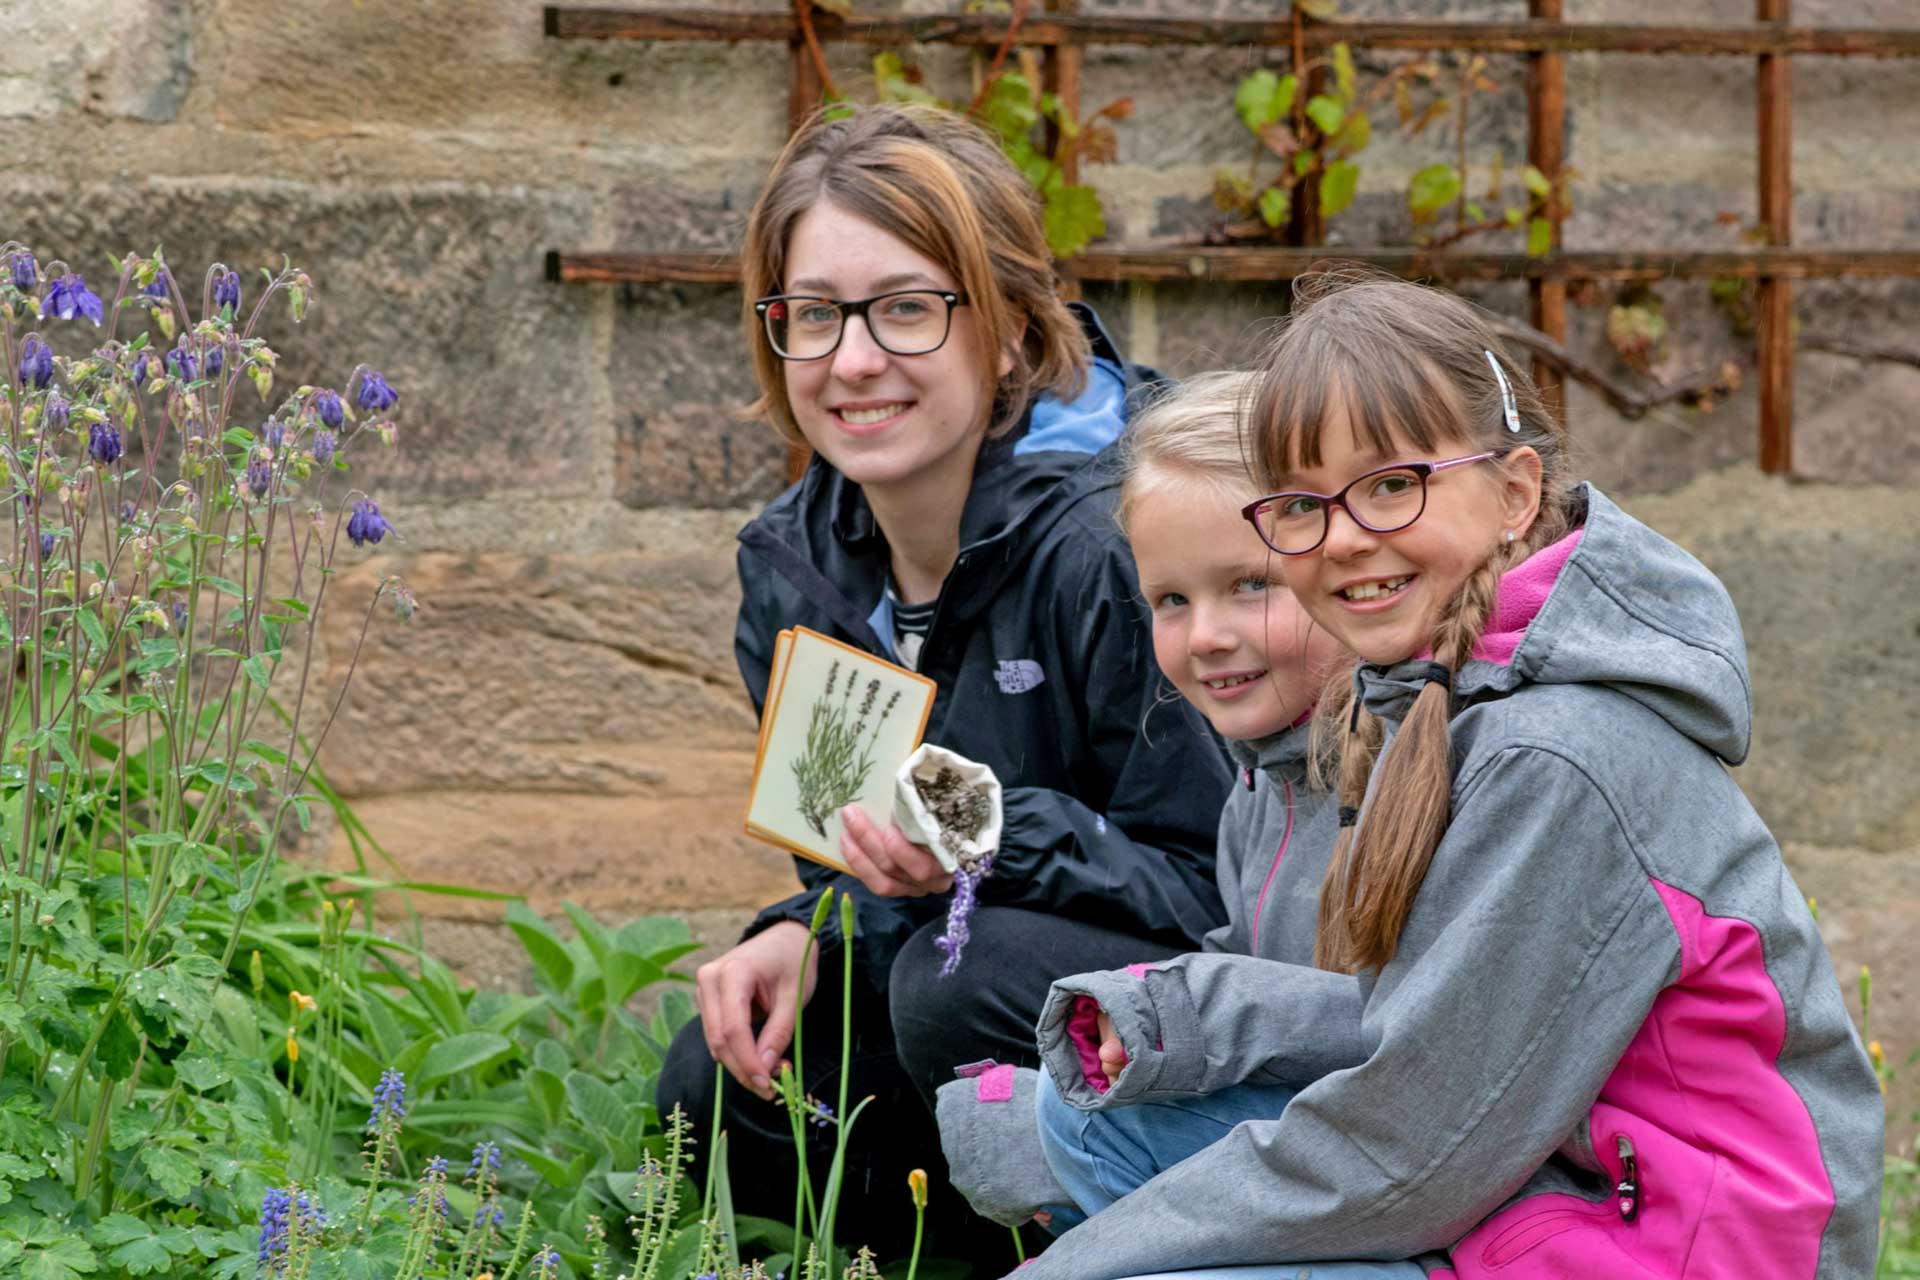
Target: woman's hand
{"points": [[760, 976], [1113, 1054], [888, 863]]}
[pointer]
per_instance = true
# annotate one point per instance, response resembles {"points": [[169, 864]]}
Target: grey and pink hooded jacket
{"points": [[1610, 1042]]}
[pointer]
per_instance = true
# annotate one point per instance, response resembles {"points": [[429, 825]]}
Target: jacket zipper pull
{"points": [[1627, 1190]]}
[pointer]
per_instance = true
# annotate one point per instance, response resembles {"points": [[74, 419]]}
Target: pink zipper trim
{"points": [[1261, 904]]}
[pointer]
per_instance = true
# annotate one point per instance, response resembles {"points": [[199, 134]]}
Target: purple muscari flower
{"points": [[103, 443], [485, 1155], [58, 412], [366, 524], [215, 359], [375, 395], [389, 1098], [959, 916], [226, 290], [260, 476], [275, 1224], [323, 443], [182, 364], [26, 272], [437, 1167], [68, 297], [142, 366], [326, 403], [46, 545], [36, 363]]}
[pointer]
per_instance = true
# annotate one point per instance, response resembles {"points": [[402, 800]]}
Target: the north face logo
{"points": [[1017, 675]]}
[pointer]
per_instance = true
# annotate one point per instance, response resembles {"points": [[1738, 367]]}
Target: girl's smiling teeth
{"points": [[1224, 683], [1378, 589], [866, 417]]}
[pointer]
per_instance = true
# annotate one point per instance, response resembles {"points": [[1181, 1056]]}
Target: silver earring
{"points": [[1509, 535]]}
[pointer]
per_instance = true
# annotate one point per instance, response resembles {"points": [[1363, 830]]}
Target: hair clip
{"points": [[1506, 396]]}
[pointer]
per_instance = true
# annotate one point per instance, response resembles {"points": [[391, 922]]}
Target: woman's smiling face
{"points": [[884, 420]]}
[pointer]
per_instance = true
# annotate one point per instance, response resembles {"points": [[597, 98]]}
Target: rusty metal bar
{"points": [[1546, 151], [1775, 95]]}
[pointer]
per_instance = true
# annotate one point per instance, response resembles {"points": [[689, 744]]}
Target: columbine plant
{"points": [[173, 536]]}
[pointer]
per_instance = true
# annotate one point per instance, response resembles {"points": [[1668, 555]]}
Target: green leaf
{"points": [[1343, 77], [1320, 10], [461, 1053], [548, 953], [1539, 238], [1536, 181], [256, 669], [96, 631], [1337, 186], [547, 1092], [1009, 109], [172, 1168], [1073, 219], [1275, 206], [596, 1104], [1328, 113], [63, 1259], [1357, 134], [201, 1072], [590, 930], [1264, 98], [1433, 188], [1476, 211]]}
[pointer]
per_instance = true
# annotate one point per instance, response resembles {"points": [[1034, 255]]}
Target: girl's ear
{"points": [[1520, 486]]}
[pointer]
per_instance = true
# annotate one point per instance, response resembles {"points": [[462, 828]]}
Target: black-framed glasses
{"points": [[1384, 500], [906, 322]]}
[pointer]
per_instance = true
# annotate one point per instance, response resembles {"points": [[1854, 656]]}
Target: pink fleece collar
{"points": [[1523, 590]]}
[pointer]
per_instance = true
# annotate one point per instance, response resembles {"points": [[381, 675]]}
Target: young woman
{"points": [[1601, 1035], [904, 324]]}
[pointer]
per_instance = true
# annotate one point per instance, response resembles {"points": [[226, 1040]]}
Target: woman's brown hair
{"points": [[940, 183], [1408, 365]]}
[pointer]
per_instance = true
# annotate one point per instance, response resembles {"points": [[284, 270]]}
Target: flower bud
{"points": [[326, 404], [256, 973], [226, 293], [26, 272], [36, 363], [917, 1187]]}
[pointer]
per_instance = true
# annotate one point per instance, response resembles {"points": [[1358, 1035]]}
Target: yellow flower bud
{"points": [[293, 1047], [917, 1185], [1878, 1054]]}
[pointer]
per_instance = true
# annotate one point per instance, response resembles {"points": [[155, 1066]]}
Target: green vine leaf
{"points": [[1275, 206], [1321, 10], [1073, 219], [1539, 238], [1343, 75], [1328, 113], [1536, 182], [1433, 189], [1337, 186], [1264, 99], [1357, 134]]}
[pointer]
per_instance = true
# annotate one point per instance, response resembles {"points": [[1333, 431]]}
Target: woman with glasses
{"points": [[903, 318]]}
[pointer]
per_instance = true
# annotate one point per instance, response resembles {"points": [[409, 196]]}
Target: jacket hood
{"points": [[1629, 609]]}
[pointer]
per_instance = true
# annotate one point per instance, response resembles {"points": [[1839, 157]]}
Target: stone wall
{"points": [[562, 719]]}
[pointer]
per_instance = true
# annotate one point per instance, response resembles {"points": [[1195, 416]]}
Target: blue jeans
{"points": [[1099, 1156]]}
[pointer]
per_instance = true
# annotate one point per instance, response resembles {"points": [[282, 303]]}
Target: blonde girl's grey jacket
{"points": [[1610, 1043]]}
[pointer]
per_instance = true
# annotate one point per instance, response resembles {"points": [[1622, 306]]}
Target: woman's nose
{"points": [[858, 357]]}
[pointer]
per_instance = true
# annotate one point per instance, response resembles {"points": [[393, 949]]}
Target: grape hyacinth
{"points": [[276, 1222], [389, 1100]]}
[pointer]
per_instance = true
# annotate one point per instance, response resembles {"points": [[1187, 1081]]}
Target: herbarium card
{"points": [[838, 725]]}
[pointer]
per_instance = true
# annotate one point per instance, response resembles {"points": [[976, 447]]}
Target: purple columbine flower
{"points": [[36, 363], [275, 434], [157, 289], [366, 524], [58, 412], [960, 915], [375, 396], [215, 359], [68, 297], [46, 545], [103, 444], [26, 272], [127, 512], [323, 444], [389, 1098], [226, 290], [276, 1222], [326, 403], [179, 611], [259, 476], [142, 366], [182, 364]]}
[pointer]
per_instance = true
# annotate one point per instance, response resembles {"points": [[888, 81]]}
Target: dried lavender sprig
{"points": [[960, 915]]}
